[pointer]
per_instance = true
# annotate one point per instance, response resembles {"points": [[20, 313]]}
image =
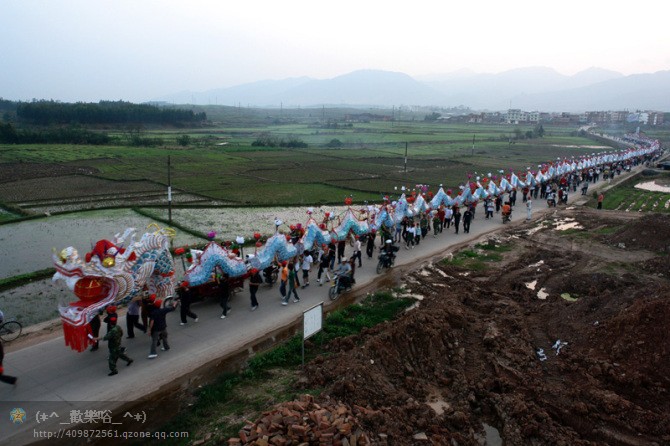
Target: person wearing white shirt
{"points": [[411, 233], [306, 266], [448, 213], [357, 251]]}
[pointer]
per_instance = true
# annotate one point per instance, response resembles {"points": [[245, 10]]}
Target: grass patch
{"points": [[607, 230], [492, 247], [173, 224], [625, 197], [478, 257], [576, 232], [221, 408], [23, 279]]}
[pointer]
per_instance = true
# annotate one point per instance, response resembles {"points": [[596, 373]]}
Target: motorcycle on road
{"points": [[386, 261], [340, 285]]}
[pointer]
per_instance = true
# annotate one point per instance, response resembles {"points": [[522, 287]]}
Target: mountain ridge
{"points": [[528, 88]]}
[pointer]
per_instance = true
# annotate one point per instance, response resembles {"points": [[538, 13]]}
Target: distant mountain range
{"points": [[532, 88]]}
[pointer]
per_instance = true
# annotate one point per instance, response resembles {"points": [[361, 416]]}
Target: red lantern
{"points": [[410, 199], [322, 226], [327, 214], [257, 235], [259, 244], [91, 289], [288, 237], [348, 201], [292, 227], [179, 251]]}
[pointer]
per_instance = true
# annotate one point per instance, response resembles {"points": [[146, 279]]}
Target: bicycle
{"points": [[10, 330]]}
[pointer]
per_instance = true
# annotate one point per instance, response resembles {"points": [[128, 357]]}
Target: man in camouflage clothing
{"points": [[113, 337]]}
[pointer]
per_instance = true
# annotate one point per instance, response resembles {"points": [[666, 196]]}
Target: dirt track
{"points": [[467, 356]]}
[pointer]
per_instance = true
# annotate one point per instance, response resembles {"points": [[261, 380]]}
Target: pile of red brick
{"points": [[304, 422]]}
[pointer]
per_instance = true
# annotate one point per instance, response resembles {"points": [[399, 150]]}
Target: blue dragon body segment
{"points": [[314, 235], [382, 219], [276, 246], [441, 198], [214, 257], [350, 223]]}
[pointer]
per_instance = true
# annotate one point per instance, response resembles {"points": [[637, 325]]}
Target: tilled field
{"points": [[51, 188], [465, 367]]}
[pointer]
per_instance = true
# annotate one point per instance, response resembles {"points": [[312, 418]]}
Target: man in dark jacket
{"points": [[186, 297], [158, 327], [255, 280], [457, 218], [370, 244], [224, 295], [467, 218]]}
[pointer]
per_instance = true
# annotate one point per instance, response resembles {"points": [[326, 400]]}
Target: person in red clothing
{"points": [[5, 378], [111, 313], [441, 215], [601, 197]]}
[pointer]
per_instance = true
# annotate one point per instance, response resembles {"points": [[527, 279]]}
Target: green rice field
{"points": [[221, 164]]}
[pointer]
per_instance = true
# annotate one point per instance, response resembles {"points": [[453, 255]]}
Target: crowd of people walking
{"points": [[331, 261]]}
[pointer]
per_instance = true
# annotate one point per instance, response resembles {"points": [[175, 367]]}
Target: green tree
{"points": [[334, 143], [183, 140], [8, 134]]}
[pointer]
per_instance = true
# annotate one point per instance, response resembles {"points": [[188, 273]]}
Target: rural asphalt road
{"points": [[55, 382]]}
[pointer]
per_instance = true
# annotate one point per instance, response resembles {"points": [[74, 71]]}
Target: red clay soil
{"points": [[467, 355], [464, 367]]}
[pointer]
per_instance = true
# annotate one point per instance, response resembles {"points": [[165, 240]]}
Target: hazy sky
{"points": [[138, 50]]}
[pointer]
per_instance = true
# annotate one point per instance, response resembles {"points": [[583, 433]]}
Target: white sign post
{"points": [[312, 323]]}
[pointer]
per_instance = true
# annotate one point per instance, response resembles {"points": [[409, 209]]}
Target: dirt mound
{"points": [[582, 363], [651, 232], [305, 422]]}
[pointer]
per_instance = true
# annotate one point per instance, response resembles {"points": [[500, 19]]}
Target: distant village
{"points": [[518, 116]]}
